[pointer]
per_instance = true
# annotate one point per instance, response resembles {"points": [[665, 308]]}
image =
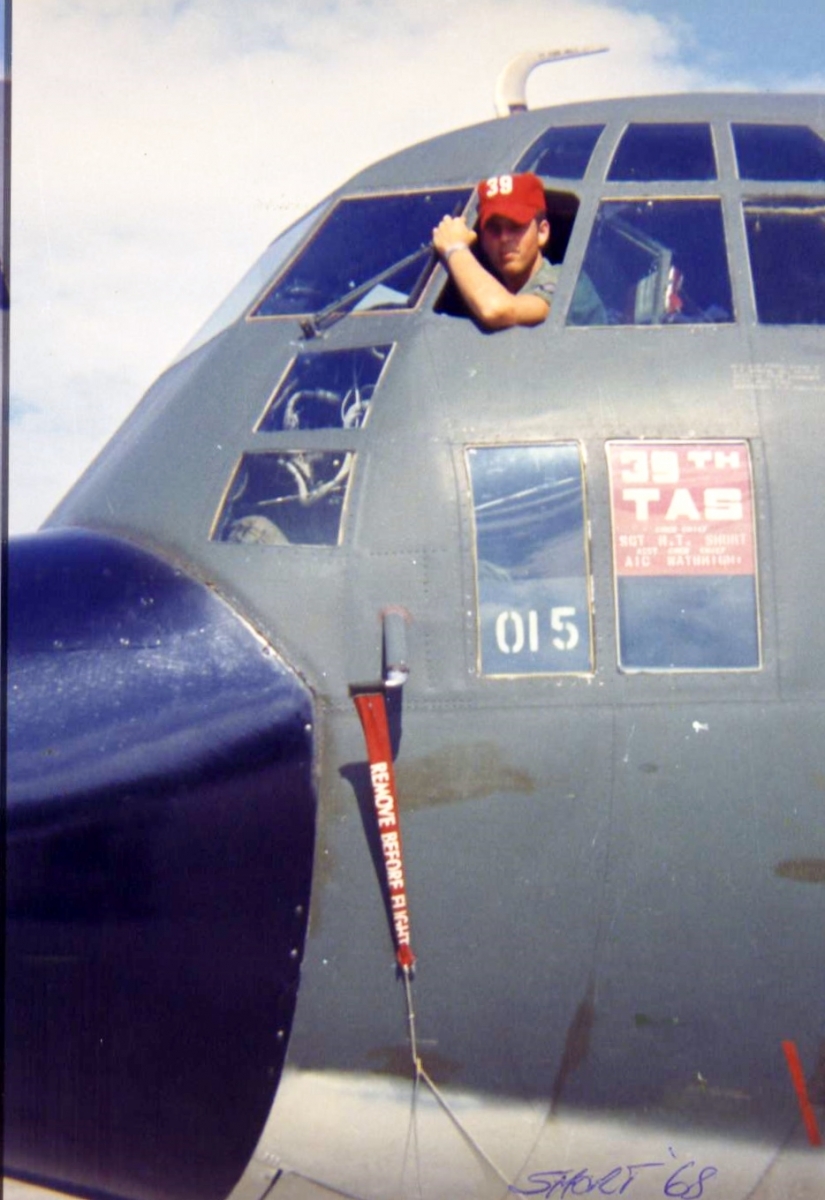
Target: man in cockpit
{"points": [[514, 284], [511, 282]]}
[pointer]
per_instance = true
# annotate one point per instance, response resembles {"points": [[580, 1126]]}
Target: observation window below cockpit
{"points": [[372, 252], [294, 497], [663, 152], [532, 572], [327, 390], [562, 152], [684, 555], [786, 243], [779, 153], [657, 262]]}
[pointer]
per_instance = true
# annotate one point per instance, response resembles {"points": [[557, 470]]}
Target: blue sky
{"points": [[763, 41], [159, 146]]}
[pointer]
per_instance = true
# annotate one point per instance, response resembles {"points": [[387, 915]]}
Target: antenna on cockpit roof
{"points": [[511, 84]]}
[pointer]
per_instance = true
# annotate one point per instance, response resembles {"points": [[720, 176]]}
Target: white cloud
{"points": [[159, 146]]}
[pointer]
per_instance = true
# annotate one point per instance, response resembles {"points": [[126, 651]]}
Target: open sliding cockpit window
{"points": [[562, 208]]}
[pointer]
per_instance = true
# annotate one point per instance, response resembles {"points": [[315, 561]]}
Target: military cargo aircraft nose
{"points": [[582, 561], [160, 833]]}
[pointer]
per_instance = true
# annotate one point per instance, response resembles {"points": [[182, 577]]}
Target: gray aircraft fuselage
{"points": [[599, 543]]}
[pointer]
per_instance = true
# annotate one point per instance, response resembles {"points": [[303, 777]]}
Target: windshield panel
{"points": [[562, 153], [657, 262], [779, 153], [658, 152], [363, 238]]}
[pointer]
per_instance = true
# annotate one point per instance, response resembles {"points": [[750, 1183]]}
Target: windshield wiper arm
{"points": [[315, 323]]}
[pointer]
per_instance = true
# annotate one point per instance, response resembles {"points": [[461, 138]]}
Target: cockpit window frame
{"points": [[416, 296]]}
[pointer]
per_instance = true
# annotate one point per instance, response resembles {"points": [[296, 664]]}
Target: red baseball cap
{"points": [[517, 197]]}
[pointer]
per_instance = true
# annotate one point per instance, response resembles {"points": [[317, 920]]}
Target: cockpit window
{"points": [[331, 390], [372, 252], [663, 152], [786, 242], [655, 262], [779, 153], [563, 152], [531, 559], [294, 497]]}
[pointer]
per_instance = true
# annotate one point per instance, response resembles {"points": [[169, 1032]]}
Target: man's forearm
{"points": [[487, 299]]}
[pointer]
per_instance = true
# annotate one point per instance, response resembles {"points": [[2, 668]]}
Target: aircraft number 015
{"points": [[514, 633]]}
